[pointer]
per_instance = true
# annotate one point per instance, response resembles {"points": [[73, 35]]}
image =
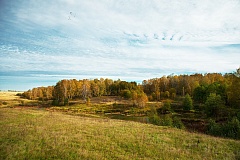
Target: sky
{"points": [[44, 41]]}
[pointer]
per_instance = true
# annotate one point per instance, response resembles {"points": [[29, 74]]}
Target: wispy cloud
{"points": [[134, 39]]}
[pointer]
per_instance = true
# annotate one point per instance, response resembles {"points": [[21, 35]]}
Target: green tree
{"points": [[233, 92], [166, 107], [199, 94], [213, 105], [126, 94], [166, 120], [187, 103], [232, 128]]}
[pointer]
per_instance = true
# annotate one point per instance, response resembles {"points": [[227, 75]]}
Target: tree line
{"points": [[66, 90], [197, 86]]}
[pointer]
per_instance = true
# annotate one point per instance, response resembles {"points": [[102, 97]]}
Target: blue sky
{"points": [[126, 39]]}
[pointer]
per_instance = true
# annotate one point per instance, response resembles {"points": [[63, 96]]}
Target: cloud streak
{"points": [[133, 40]]}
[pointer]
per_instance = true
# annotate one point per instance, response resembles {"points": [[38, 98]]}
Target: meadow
{"points": [[36, 133]]}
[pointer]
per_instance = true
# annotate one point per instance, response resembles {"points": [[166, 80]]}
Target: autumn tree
{"points": [[139, 98], [142, 99], [39, 93], [172, 93], [233, 92], [86, 90], [58, 93]]}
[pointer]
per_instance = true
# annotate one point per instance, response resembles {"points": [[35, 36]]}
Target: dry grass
{"points": [[10, 99], [38, 134], [9, 96]]}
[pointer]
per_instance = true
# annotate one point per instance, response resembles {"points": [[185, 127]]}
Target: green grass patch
{"points": [[38, 134]]}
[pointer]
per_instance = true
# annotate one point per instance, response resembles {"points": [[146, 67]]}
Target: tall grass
{"points": [[38, 134]]}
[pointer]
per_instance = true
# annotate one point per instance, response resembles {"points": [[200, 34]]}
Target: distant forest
{"points": [[198, 86]]}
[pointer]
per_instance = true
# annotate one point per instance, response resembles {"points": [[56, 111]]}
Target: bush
{"points": [[213, 128], [153, 116], [19, 94], [55, 102], [177, 123], [155, 119], [166, 107], [166, 120], [231, 129]]}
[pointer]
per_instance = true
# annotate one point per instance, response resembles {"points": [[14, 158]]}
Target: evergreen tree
{"points": [[213, 105], [187, 103]]}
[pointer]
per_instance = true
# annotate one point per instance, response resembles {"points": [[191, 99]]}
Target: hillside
{"points": [[38, 134]]}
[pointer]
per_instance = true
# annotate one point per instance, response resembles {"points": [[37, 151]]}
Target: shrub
{"points": [[166, 120], [177, 123], [19, 94], [153, 116], [213, 128], [166, 107], [155, 119], [231, 129], [55, 102]]}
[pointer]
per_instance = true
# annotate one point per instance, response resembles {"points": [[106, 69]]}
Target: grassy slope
{"points": [[38, 134]]}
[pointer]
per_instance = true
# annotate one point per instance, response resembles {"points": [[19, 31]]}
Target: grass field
{"points": [[9, 96], [32, 132], [39, 134], [10, 99]]}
